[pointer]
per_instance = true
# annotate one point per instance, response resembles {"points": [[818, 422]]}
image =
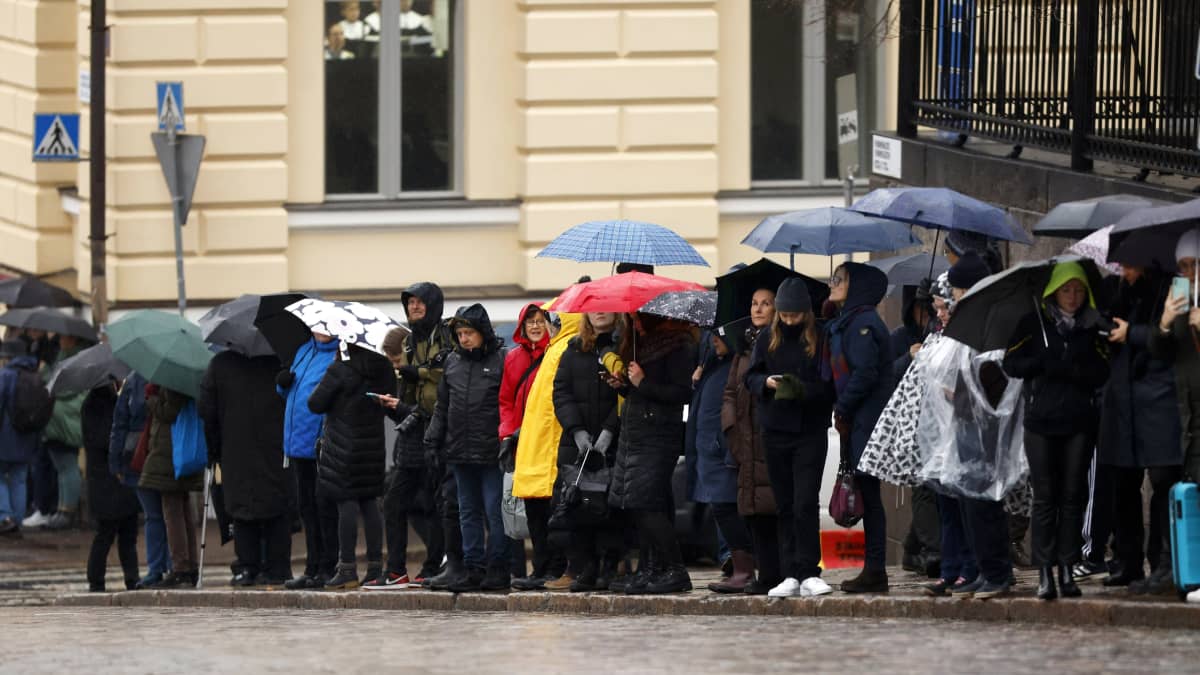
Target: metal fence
{"points": [[1110, 80]]}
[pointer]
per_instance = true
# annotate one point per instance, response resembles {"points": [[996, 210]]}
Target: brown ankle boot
{"points": [[743, 573]]}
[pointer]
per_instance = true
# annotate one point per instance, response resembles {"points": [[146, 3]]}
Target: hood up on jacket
{"points": [[430, 294], [868, 285], [519, 337], [475, 316]]}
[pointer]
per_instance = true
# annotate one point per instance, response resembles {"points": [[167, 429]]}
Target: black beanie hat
{"points": [[968, 271], [792, 296]]}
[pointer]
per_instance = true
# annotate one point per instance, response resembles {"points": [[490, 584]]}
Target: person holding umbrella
{"points": [[1059, 352], [859, 363], [112, 504]]}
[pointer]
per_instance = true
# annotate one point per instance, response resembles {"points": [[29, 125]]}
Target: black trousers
{"points": [[264, 546], [349, 513], [320, 518], [795, 465], [124, 531], [986, 526], [43, 482], [452, 541], [549, 560], [874, 522], [732, 527], [764, 530], [924, 533], [1058, 471], [1099, 517], [657, 539], [590, 543], [1130, 531], [411, 499]]}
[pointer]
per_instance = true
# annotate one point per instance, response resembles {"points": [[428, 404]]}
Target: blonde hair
{"points": [[808, 320]]}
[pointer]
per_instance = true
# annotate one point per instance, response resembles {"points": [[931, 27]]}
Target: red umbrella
{"points": [[620, 293]]}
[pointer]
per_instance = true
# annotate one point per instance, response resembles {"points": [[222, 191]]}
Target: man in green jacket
{"points": [[62, 438]]}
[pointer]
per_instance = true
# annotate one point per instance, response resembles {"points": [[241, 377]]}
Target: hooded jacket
{"points": [[860, 355], [910, 332], [525, 357], [15, 447], [301, 426], [426, 349], [129, 418], [243, 422], [353, 453], [537, 446], [712, 472], [465, 423], [65, 424]]}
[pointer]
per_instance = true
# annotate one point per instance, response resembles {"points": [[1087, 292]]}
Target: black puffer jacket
{"points": [[652, 428], [108, 499], [350, 463], [243, 423], [582, 401], [466, 421]]}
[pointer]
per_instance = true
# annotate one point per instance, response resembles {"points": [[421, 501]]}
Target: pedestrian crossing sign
{"points": [[169, 96], [56, 137]]}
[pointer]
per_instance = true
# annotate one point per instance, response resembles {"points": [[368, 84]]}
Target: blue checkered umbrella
{"points": [[619, 241]]}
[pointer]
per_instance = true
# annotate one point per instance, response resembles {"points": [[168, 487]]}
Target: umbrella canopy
{"points": [[1094, 247], [49, 320], [231, 325], [829, 231], [698, 307], [33, 292], [283, 330], [911, 270], [619, 293], [985, 318], [1147, 237], [736, 289], [619, 241], [353, 323], [86, 370], [162, 347], [942, 209], [1076, 220]]}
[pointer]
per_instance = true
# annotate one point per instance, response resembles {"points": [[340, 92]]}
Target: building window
{"points": [[391, 97], [800, 48]]}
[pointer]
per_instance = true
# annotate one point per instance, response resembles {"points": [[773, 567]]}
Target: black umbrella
{"points": [[33, 292], [1147, 237], [231, 325], [1076, 220], [49, 320], [282, 329], [985, 318], [698, 307], [85, 371], [736, 289], [910, 270]]}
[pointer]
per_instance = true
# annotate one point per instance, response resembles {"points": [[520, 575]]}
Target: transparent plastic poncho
{"points": [[972, 445]]}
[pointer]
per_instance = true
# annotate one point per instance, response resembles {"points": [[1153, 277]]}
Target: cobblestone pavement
{"points": [[356, 641]]}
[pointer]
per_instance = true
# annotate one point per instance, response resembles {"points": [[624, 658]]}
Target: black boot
{"points": [[646, 573], [867, 581], [674, 579], [1066, 583], [470, 582], [1125, 576], [1046, 588], [346, 578], [454, 573], [496, 579]]}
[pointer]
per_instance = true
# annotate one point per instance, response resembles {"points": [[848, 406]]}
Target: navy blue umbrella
{"points": [[942, 209], [618, 241], [910, 270], [829, 230]]}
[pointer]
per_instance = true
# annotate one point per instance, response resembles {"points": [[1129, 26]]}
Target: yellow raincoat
{"points": [[537, 447]]}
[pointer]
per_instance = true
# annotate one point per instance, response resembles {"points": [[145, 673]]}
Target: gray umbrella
{"points": [[698, 307], [231, 325], [49, 320], [1076, 220], [910, 270], [85, 371]]}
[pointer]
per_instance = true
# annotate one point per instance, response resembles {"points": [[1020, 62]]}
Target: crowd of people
{"points": [[570, 433]]}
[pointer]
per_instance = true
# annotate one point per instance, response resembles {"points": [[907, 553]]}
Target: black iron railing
{"points": [[1110, 80]]}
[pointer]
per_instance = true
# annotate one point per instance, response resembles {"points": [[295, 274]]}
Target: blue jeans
{"points": [[958, 558], [479, 491], [12, 490], [158, 555]]}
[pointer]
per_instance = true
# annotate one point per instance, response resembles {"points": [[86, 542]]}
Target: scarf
{"points": [[1063, 322], [834, 366]]}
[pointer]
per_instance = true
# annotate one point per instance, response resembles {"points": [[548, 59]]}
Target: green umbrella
{"points": [[164, 348]]}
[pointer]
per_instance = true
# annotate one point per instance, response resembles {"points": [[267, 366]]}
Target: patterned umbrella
{"points": [[1094, 247], [619, 241], [352, 323], [698, 307]]}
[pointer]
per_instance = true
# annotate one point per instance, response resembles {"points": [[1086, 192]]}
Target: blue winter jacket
{"points": [[712, 473], [14, 446], [300, 425], [129, 418]]}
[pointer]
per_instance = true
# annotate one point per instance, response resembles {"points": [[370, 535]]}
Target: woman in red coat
{"points": [[530, 339]]}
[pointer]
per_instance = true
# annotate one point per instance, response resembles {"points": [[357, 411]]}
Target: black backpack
{"points": [[30, 406]]}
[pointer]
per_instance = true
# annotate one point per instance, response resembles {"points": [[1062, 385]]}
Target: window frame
{"points": [[388, 172]]}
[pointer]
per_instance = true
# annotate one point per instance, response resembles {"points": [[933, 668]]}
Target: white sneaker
{"points": [[38, 519], [789, 588], [1194, 596], [814, 586]]}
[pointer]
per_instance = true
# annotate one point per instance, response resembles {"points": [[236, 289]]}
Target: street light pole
{"points": [[96, 165]]}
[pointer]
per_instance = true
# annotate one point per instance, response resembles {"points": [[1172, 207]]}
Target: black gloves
{"points": [[285, 379], [508, 454], [409, 373]]}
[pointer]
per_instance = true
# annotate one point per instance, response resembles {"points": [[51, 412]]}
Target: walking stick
{"points": [[208, 476]]}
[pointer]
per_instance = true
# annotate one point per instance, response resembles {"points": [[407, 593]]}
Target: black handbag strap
{"points": [[529, 371]]}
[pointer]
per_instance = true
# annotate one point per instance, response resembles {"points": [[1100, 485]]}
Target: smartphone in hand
{"points": [[371, 394], [1181, 288]]}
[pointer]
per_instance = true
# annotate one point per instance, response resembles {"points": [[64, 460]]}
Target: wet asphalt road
{"points": [[37, 640]]}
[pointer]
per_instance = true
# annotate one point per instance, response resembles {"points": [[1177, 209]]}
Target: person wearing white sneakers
{"points": [[795, 406]]}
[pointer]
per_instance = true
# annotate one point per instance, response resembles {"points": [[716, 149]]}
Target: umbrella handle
{"points": [[933, 254], [1037, 309]]}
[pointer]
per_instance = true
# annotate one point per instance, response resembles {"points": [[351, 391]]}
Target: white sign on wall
{"points": [[885, 156], [85, 86]]}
